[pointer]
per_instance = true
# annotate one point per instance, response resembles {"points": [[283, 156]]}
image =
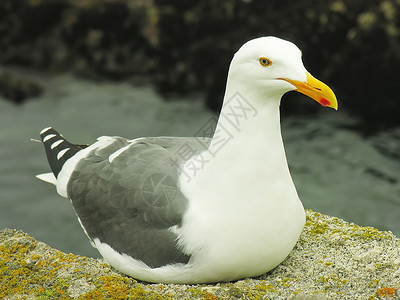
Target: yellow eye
{"points": [[265, 62]]}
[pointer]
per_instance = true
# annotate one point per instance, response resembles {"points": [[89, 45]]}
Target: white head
{"points": [[272, 67]]}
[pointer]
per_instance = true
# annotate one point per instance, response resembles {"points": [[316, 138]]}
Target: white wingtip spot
{"points": [[44, 130], [55, 144], [61, 153], [47, 137]]}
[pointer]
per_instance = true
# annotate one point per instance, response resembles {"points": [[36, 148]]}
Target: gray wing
{"points": [[131, 202]]}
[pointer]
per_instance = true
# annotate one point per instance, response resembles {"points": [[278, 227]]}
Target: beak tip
{"points": [[326, 103], [316, 90]]}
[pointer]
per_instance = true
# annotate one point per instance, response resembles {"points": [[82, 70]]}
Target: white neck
{"points": [[246, 127], [249, 123], [250, 117], [247, 148]]}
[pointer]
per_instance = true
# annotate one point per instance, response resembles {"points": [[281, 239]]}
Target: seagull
{"points": [[195, 209]]}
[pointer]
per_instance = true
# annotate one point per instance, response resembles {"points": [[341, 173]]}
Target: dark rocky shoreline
{"points": [[185, 47]]}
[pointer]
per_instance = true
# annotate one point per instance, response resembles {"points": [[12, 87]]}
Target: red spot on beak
{"points": [[324, 102]]}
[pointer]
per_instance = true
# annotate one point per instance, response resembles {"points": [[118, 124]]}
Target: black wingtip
{"points": [[58, 149]]}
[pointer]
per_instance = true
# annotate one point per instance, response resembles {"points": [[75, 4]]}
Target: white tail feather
{"points": [[47, 177]]}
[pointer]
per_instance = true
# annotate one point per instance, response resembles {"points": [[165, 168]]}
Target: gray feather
{"points": [[131, 203]]}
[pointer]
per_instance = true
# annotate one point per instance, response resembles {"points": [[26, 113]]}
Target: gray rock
{"points": [[333, 259]]}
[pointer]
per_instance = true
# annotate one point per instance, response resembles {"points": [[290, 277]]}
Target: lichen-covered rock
{"points": [[332, 260]]}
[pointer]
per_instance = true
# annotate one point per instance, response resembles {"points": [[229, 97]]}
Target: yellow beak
{"points": [[316, 90]]}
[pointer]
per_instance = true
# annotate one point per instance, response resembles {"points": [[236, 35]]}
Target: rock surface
{"points": [[332, 260]]}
